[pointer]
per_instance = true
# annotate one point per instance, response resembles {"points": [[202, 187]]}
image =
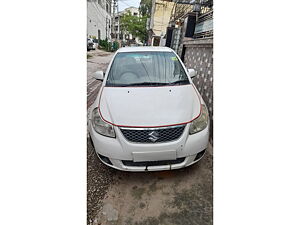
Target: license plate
{"points": [[154, 155]]}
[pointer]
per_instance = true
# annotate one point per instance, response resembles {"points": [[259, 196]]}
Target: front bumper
{"points": [[118, 152]]}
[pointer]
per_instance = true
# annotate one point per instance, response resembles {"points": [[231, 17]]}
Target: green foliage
{"points": [[108, 46], [145, 8], [103, 44], [115, 46], [135, 25]]}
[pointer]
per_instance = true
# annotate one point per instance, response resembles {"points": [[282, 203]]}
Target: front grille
{"points": [[153, 163], [157, 135]]}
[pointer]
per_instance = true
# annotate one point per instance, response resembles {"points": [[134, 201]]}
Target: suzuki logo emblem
{"points": [[154, 136]]}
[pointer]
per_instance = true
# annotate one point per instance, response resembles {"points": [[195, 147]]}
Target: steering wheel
{"points": [[129, 76]]}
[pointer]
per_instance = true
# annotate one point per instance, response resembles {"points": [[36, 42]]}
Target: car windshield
{"points": [[146, 69]]}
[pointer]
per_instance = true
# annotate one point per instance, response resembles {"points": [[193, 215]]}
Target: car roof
{"points": [[145, 49]]}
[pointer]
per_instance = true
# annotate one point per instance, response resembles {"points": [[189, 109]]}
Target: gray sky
{"points": [[123, 4]]}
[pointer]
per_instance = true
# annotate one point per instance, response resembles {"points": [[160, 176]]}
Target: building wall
{"points": [[98, 19], [161, 11], [132, 10], [199, 56], [160, 18]]}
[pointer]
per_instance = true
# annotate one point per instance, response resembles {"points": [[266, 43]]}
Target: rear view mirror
{"points": [[192, 73], [99, 75]]}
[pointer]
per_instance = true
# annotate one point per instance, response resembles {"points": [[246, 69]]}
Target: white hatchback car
{"points": [[148, 115]]}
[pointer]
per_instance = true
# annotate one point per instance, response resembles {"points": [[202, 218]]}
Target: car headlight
{"points": [[101, 126], [201, 122]]}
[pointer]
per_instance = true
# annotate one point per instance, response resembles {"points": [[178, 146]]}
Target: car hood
{"points": [[149, 106]]}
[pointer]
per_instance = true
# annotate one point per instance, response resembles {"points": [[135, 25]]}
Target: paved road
{"points": [[98, 60], [179, 197]]}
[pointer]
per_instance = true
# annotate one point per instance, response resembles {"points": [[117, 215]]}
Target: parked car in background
{"points": [[90, 44], [148, 115], [95, 44]]}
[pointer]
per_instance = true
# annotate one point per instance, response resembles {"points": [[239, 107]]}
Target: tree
{"points": [[135, 25], [145, 8]]}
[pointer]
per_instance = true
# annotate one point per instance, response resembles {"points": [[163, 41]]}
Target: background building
{"points": [[99, 19], [123, 35], [162, 11]]}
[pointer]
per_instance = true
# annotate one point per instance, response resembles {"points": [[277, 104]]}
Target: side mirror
{"points": [[192, 72], [99, 75]]}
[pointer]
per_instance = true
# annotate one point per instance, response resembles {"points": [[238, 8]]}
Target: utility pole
{"points": [[119, 20], [106, 30], [116, 13], [113, 19]]}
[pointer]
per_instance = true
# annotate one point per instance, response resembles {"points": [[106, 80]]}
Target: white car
{"points": [[148, 115], [92, 44], [95, 44]]}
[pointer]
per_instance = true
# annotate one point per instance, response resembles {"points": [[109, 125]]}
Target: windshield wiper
{"points": [[150, 84], [179, 82], [143, 84]]}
